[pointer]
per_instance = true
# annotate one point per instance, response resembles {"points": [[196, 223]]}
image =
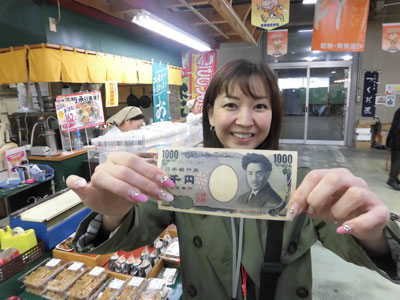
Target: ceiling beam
{"points": [[227, 12]]}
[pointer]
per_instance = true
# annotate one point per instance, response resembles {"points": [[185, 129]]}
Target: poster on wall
{"points": [[79, 111], [392, 89], [380, 100], [160, 92], [269, 14], [369, 94], [390, 37], [277, 42], [391, 100], [340, 25], [184, 89], [111, 90]]}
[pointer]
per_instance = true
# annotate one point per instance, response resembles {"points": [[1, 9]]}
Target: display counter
{"points": [[63, 165]]}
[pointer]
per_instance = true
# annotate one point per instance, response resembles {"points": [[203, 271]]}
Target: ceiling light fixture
{"points": [[152, 22], [347, 57], [310, 58], [309, 1], [305, 30]]}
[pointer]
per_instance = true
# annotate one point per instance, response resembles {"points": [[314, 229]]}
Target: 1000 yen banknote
{"points": [[229, 182]]}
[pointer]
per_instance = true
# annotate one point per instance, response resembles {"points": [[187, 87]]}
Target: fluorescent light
{"points": [[333, 72], [308, 58], [152, 22], [305, 30], [309, 1], [347, 57]]}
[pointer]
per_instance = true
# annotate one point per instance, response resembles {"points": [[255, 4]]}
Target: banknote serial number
{"points": [[170, 154], [283, 158]]}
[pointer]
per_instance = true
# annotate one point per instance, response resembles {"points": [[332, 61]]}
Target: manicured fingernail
{"points": [[136, 196], [292, 212], [344, 229], [164, 195], [80, 183], [165, 180]]}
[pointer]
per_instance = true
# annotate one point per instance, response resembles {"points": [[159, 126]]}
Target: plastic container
{"points": [[155, 289], [67, 277], [110, 290], [41, 274], [132, 289], [169, 275], [52, 295], [88, 284]]}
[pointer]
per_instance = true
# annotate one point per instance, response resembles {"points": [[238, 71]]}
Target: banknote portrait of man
{"points": [[261, 195]]}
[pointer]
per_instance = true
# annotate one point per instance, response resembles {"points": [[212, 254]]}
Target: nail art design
{"points": [[136, 196], [165, 180], [344, 229], [164, 195], [347, 228], [292, 212]]}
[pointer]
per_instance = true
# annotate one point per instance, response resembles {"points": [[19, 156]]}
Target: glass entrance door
{"points": [[315, 101]]}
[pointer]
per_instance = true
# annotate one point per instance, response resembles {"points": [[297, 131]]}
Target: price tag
{"points": [[136, 281], [156, 284], [53, 262], [96, 271], [116, 284], [75, 266]]}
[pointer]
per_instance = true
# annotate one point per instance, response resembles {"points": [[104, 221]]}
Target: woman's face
{"points": [[196, 109], [241, 121], [131, 125]]}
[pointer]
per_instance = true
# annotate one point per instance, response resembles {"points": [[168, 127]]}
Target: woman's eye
{"points": [[261, 106], [230, 105]]}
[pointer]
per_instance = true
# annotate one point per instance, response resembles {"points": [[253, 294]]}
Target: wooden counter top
{"points": [[59, 157]]}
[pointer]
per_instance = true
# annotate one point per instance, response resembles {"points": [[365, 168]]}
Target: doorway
{"points": [[316, 101]]}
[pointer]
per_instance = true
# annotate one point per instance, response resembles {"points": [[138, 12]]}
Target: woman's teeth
{"points": [[242, 136]]}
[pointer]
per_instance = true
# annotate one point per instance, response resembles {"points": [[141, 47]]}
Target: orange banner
{"points": [[340, 25], [269, 14], [390, 37], [277, 42]]}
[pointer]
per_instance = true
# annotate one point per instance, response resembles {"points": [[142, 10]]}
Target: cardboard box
{"points": [[365, 123], [386, 126], [363, 144]]}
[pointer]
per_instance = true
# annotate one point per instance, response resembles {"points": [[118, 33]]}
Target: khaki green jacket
{"points": [[206, 249]]}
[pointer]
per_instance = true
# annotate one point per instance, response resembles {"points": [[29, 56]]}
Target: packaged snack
{"points": [[155, 289], [113, 260], [153, 257], [132, 289], [171, 253], [158, 245], [67, 277], [145, 253], [38, 277], [110, 290], [135, 266], [51, 295], [35, 290], [88, 284], [144, 268], [169, 275], [166, 239], [120, 264]]}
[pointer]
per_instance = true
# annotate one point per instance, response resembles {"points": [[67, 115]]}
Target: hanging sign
{"points": [[392, 89], [370, 89], [160, 92], [390, 37], [269, 14], [203, 66], [340, 25], [277, 42], [79, 111], [111, 89]]}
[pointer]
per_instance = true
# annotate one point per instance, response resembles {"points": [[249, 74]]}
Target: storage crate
{"points": [[23, 260]]}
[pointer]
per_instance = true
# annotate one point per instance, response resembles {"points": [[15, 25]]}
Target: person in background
{"points": [[242, 110], [194, 117], [128, 118], [393, 142]]}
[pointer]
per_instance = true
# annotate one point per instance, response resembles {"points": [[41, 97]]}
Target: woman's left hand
{"points": [[337, 196]]}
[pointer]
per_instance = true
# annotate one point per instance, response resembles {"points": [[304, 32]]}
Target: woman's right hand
{"points": [[121, 181]]}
